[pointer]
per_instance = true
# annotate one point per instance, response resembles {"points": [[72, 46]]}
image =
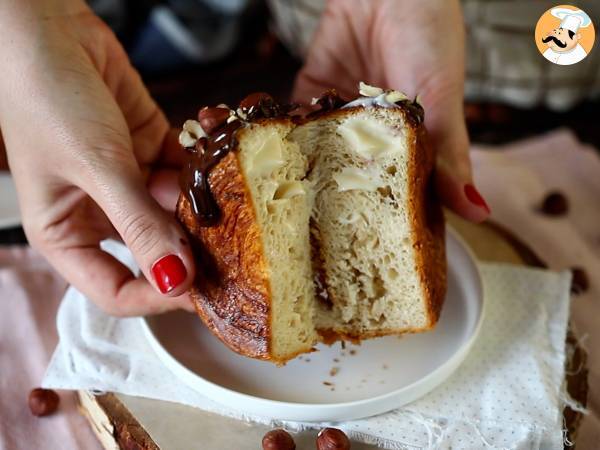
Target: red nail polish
{"points": [[169, 272], [475, 197]]}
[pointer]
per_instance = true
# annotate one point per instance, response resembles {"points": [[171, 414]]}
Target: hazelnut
{"points": [[212, 118], [332, 439], [580, 281], [555, 204], [252, 101], [278, 440], [43, 402]]}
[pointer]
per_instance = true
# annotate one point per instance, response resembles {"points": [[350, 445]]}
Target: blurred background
{"points": [[198, 52]]}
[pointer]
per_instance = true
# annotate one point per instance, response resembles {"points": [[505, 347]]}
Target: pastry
{"points": [[313, 229]]}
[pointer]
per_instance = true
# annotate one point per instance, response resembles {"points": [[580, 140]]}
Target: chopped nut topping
{"points": [[395, 96], [369, 91], [192, 131], [194, 128], [186, 139]]}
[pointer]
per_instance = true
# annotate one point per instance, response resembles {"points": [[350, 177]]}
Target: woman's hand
{"points": [[417, 47], [82, 136]]}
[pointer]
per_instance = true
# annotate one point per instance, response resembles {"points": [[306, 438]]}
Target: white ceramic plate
{"points": [[9, 206], [375, 377]]}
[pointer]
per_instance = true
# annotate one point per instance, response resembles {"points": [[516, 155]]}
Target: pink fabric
{"points": [[513, 181], [30, 292]]}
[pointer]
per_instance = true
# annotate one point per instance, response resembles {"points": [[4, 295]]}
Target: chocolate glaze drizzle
{"points": [[208, 151], [328, 101], [261, 105], [194, 178], [415, 110]]}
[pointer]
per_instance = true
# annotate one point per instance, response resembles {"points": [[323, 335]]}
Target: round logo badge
{"points": [[564, 35]]}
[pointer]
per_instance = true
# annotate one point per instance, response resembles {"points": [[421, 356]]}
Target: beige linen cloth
{"points": [[514, 181]]}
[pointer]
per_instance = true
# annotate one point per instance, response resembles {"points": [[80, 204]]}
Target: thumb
{"points": [[454, 180], [157, 242]]}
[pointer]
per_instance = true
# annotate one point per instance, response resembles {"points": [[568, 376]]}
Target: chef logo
{"points": [[564, 35]]}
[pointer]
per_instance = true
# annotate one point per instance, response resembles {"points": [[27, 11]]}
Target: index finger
{"points": [[111, 285]]}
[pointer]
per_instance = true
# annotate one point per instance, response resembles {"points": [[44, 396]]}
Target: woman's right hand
{"points": [[85, 141]]}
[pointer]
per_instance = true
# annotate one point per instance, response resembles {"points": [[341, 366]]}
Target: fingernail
{"points": [[169, 272], [475, 197]]}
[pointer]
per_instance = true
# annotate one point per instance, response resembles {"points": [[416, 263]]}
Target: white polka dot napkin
{"points": [[506, 395]]}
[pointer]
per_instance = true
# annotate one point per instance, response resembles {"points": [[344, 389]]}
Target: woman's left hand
{"points": [[414, 46]]}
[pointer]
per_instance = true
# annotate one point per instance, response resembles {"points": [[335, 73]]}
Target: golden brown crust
{"points": [[231, 292], [427, 220]]}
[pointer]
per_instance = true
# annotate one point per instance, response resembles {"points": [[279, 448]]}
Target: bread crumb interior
{"points": [[342, 185]]}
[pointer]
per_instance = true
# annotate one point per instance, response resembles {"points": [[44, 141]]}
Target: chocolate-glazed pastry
{"points": [[220, 126], [288, 219]]}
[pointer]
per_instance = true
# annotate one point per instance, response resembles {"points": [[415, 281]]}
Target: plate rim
{"points": [[420, 387]]}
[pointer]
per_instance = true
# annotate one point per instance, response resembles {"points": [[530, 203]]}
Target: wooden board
{"points": [[123, 422]]}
